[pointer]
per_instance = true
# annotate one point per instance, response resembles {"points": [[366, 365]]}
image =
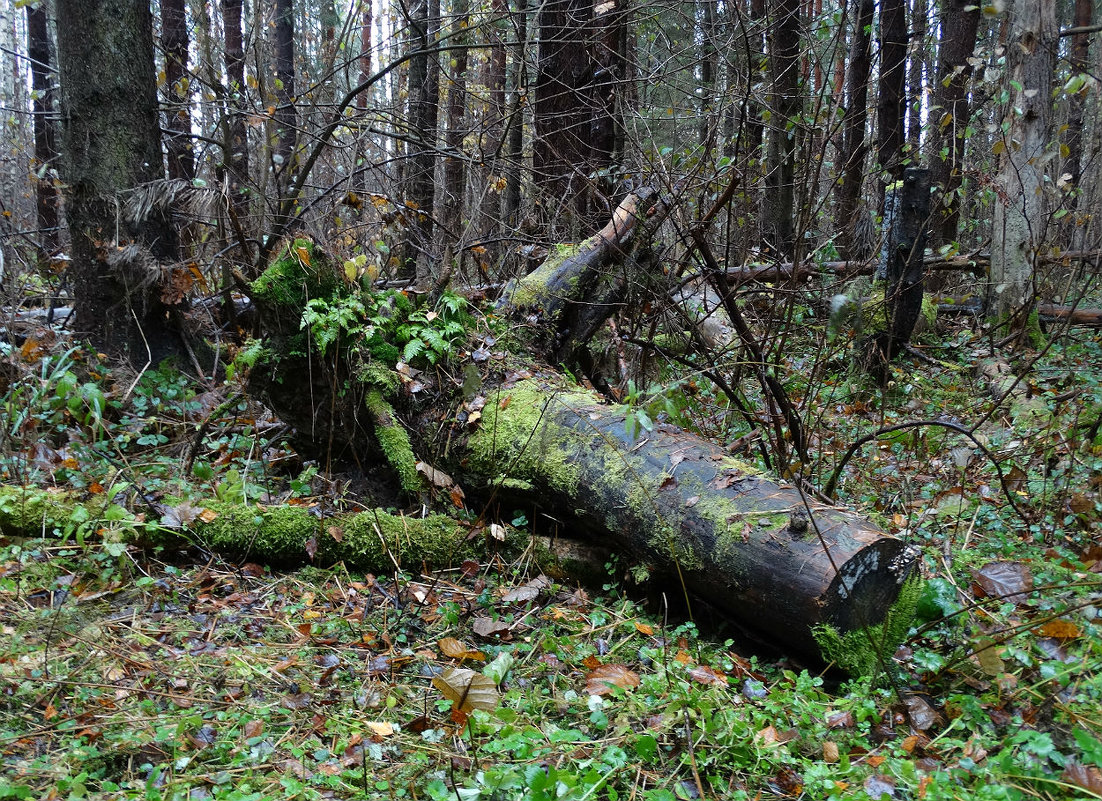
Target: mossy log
{"points": [[755, 548], [290, 535]]}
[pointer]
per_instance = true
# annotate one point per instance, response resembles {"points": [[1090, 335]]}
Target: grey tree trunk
{"points": [[45, 128], [854, 142], [778, 207], [174, 40], [1022, 209]]}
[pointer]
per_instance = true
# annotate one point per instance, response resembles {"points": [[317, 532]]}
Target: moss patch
{"points": [[299, 273], [861, 652], [394, 441]]}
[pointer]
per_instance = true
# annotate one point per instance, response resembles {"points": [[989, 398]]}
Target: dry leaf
{"points": [[1085, 776], [1009, 580], [453, 648], [336, 532], [1060, 630], [497, 531], [380, 728], [466, 689], [830, 751], [602, 680], [643, 628]]}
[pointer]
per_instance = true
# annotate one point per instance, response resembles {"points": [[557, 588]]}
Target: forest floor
{"points": [[179, 675]]}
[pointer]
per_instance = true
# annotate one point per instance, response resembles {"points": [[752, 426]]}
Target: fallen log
{"points": [[755, 548], [816, 579]]}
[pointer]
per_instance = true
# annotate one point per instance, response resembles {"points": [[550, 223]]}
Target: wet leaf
{"points": [[488, 627], [1086, 776], [988, 654], [380, 728], [706, 675], [920, 713], [1009, 580], [878, 786], [466, 689], [605, 678]]}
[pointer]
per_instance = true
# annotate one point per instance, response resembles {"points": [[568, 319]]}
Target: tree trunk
{"points": [[514, 145], [454, 161], [902, 265], [778, 208], [757, 549], [890, 105], [174, 40], [45, 139], [950, 112], [235, 149], [1021, 210], [854, 121], [916, 81], [1079, 63], [112, 144], [424, 110], [285, 117]]}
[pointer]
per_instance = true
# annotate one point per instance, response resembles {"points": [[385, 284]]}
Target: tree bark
{"points": [[778, 208], [285, 117], [235, 148], [424, 112], [1021, 210], [1079, 64], [45, 163], [950, 112], [454, 162], [174, 40], [890, 105], [854, 121], [112, 144]]}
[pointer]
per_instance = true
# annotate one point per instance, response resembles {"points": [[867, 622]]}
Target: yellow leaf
{"points": [[643, 628], [303, 255], [998, 147], [380, 728]]}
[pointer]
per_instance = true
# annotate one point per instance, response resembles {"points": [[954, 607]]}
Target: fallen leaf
{"points": [[706, 675], [336, 532], [453, 648], [921, 714], [1086, 776], [830, 751], [643, 628], [488, 627], [1009, 580], [988, 655], [1059, 630], [466, 689], [380, 728], [602, 680]]}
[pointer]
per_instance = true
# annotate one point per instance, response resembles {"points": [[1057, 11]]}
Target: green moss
{"points": [[929, 312], [291, 280], [520, 442], [394, 441], [531, 290], [861, 652]]}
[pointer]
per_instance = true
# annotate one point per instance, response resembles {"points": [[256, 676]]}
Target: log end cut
{"points": [[869, 607]]}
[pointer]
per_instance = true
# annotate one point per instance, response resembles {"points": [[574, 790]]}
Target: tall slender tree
{"points": [[854, 121], [890, 105], [424, 111], [454, 161], [779, 212], [235, 147], [285, 117], [950, 112], [1079, 62], [174, 41], [45, 163]]}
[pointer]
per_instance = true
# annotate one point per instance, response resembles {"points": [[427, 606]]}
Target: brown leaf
{"points": [[1059, 630], [1009, 580], [254, 728], [644, 629], [466, 689], [841, 720], [830, 751], [336, 532], [487, 627], [988, 654], [602, 680], [312, 546], [921, 714], [453, 648], [706, 675], [469, 568], [1086, 776]]}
